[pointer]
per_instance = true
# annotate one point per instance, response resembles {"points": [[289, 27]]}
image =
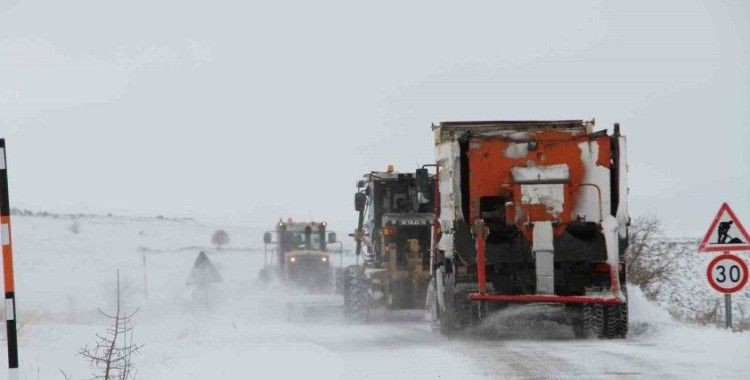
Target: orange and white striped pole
{"points": [[10, 295]]}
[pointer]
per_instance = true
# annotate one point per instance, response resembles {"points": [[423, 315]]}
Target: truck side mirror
{"points": [[422, 177], [267, 238], [359, 201], [332, 237]]}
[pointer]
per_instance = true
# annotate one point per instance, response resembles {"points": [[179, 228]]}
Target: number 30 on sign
{"points": [[727, 273]]}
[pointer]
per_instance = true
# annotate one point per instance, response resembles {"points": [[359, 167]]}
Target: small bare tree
{"points": [[650, 258], [219, 238], [110, 358]]}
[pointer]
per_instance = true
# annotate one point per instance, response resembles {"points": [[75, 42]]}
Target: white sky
{"points": [[248, 112]]}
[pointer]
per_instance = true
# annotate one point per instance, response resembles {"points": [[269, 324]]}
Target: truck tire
{"points": [[604, 321], [356, 294], [457, 313], [577, 321], [447, 315], [593, 321], [617, 319]]}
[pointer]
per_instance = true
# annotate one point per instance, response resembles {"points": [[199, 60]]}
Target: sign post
{"points": [[728, 310], [726, 273], [10, 294]]}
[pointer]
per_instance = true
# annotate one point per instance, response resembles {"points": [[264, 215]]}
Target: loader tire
{"points": [[340, 281], [356, 294], [344, 283], [264, 277]]}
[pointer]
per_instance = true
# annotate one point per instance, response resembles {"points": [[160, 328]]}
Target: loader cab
{"points": [[301, 236], [302, 253]]}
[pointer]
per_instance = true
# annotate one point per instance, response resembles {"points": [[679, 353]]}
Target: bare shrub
{"points": [[111, 356], [650, 258], [75, 227], [219, 238]]}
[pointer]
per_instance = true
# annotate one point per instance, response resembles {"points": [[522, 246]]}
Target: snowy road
{"points": [[592, 359], [657, 347], [243, 332]]}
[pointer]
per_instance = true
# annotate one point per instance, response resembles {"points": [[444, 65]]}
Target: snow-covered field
{"points": [[62, 278]]}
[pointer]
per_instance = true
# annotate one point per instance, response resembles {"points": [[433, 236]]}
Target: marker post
{"points": [[10, 295]]}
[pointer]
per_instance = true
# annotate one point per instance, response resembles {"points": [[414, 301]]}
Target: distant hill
{"points": [[54, 215]]}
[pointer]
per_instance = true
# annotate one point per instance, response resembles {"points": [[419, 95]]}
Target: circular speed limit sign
{"points": [[727, 273]]}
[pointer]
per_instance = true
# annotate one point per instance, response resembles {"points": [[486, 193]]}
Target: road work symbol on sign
{"points": [[727, 273], [726, 233]]}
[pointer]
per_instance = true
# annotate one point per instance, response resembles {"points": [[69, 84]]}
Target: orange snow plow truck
{"points": [[530, 212]]}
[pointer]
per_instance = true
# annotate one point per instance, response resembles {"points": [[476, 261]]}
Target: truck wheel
{"points": [[593, 321], [356, 294], [604, 321], [431, 305], [578, 330], [617, 321], [458, 312], [577, 321], [447, 315]]}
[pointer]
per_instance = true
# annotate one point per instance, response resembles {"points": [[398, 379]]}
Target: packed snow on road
{"points": [[237, 328]]}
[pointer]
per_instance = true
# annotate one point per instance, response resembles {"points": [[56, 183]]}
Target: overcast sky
{"points": [[246, 112]]}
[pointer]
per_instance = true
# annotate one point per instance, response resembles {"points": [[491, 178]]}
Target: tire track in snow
{"points": [[502, 360], [535, 359]]}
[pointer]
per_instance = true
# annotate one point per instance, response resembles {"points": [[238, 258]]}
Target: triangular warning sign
{"points": [[726, 233]]}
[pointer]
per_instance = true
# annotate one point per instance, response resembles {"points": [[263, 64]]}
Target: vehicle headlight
{"points": [[292, 259], [324, 259]]}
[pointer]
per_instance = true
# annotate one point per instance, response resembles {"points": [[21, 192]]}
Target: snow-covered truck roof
{"points": [[292, 225], [453, 130], [385, 176]]}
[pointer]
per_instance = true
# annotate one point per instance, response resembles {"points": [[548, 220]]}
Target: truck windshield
{"points": [[295, 240], [401, 197]]}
